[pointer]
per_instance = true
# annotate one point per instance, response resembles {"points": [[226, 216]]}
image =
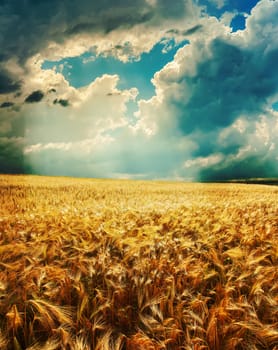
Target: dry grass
{"points": [[121, 265]]}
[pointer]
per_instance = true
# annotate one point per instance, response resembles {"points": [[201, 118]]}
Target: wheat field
{"points": [[133, 265]]}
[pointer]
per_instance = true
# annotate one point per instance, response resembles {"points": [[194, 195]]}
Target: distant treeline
{"points": [[262, 181]]}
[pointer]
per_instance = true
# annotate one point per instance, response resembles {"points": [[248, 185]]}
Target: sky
{"points": [[142, 89]]}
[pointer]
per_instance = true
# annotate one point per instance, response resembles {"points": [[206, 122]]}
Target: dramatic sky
{"points": [[143, 89]]}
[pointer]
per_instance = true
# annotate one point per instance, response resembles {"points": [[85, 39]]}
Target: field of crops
{"points": [[132, 265]]}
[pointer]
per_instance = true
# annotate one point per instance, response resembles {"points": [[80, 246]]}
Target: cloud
{"points": [[218, 3], [251, 166], [222, 82], [45, 138], [95, 109], [70, 28], [8, 83], [215, 83], [6, 104], [262, 27], [62, 30], [35, 96], [187, 32], [62, 102], [11, 155], [246, 149], [192, 30]]}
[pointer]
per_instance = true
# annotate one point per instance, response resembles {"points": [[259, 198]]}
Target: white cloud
{"points": [[84, 147], [219, 3], [240, 125], [201, 162], [86, 112], [261, 27], [242, 152]]}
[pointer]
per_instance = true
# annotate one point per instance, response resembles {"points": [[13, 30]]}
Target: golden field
{"points": [[133, 265]]}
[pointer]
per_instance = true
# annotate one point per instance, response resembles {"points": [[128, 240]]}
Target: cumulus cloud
{"points": [[67, 122], [210, 85], [79, 114]]}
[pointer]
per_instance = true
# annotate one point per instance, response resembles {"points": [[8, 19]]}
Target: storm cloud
{"points": [[11, 155], [225, 81], [247, 168], [28, 27], [8, 83]]}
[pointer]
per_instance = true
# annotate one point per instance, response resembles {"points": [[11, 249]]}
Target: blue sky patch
{"points": [[81, 71], [238, 23], [240, 6]]}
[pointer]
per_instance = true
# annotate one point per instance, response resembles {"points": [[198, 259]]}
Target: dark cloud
{"points": [[6, 104], [7, 83], [192, 30], [109, 24], [253, 166], [230, 82], [34, 97], [11, 155], [113, 94], [173, 31], [26, 27], [62, 102], [186, 32], [166, 8]]}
